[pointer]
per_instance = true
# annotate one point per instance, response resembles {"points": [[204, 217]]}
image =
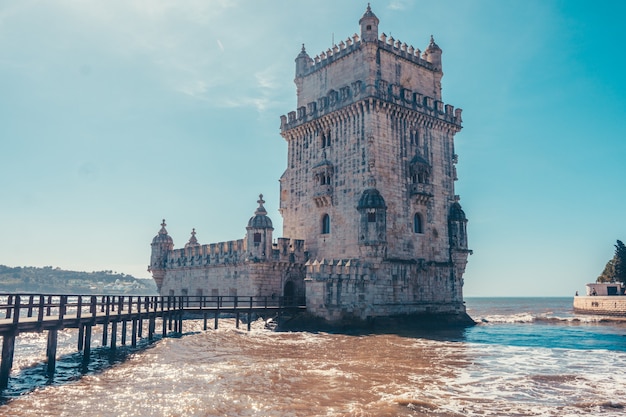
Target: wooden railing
{"points": [[21, 313], [16, 307]]}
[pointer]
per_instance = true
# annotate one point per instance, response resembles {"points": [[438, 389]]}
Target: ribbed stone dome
{"points": [[371, 198], [418, 160], [456, 213], [369, 14], [260, 219], [163, 237]]}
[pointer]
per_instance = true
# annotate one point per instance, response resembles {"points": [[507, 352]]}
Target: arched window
{"points": [[417, 223], [371, 215], [325, 224]]}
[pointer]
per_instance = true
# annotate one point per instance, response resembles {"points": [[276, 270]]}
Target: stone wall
{"points": [[601, 305], [350, 288], [263, 279]]}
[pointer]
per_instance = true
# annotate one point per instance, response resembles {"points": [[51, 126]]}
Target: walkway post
{"points": [[52, 351], [87, 344], [124, 323], [113, 334], [81, 336], [8, 348]]}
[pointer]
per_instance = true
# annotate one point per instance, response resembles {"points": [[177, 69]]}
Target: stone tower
{"points": [[369, 184], [162, 244], [371, 224], [259, 234]]}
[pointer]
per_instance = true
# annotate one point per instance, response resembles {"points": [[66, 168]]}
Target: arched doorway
{"points": [[289, 294]]}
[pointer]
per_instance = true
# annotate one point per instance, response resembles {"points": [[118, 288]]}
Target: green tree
{"points": [[619, 262], [608, 275]]}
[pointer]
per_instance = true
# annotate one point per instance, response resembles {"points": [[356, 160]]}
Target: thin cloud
{"points": [[259, 103], [398, 5], [267, 78], [194, 88]]}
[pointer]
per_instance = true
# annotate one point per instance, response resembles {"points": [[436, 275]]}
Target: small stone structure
{"points": [[601, 305], [367, 198], [602, 298], [250, 267]]}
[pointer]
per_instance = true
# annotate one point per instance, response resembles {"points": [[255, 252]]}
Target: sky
{"points": [[117, 114]]}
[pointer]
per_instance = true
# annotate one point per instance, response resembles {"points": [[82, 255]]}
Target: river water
{"points": [[526, 357]]}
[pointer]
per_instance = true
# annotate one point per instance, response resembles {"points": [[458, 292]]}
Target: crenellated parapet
{"points": [[354, 43], [232, 252], [289, 250], [229, 252], [328, 269], [351, 99]]}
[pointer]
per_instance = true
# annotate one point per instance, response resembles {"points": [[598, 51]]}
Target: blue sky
{"points": [[116, 114]]}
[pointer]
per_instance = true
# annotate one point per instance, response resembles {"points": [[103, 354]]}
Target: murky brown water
{"points": [[230, 372]]}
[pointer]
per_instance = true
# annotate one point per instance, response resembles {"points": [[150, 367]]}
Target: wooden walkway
{"points": [[22, 313]]}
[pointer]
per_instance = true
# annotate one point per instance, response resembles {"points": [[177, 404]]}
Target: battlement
{"points": [[385, 91], [353, 43], [333, 268], [289, 250], [230, 252], [405, 51]]}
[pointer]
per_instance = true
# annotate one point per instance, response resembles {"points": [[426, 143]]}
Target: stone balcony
{"points": [[421, 192], [323, 195]]}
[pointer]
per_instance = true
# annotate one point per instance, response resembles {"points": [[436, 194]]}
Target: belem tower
{"points": [[372, 225]]}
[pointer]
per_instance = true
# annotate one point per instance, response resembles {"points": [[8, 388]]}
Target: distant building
{"points": [[367, 199]]}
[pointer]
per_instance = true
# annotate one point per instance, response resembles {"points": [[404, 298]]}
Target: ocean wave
{"points": [[547, 318]]}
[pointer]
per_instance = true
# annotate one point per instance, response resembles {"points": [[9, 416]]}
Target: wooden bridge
{"points": [[22, 313]]}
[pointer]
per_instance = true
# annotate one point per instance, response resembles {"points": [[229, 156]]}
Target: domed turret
{"points": [[162, 244], [260, 219], [432, 54], [369, 26], [162, 238], [371, 198], [457, 213], [303, 60], [457, 227], [259, 236], [193, 242], [373, 223]]}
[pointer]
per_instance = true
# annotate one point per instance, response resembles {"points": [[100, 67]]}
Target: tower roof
{"points": [[369, 15], [371, 198], [418, 160], [260, 220], [303, 53], [457, 213], [192, 240], [432, 46], [162, 236]]}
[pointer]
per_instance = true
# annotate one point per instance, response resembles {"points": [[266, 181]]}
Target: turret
{"points": [[193, 241], [369, 26], [259, 236], [432, 54], [303, 60], [162, 244], [373, 223], [457, 227]]}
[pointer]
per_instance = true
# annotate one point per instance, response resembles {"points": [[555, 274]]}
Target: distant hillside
{"points": [[30, 279]]}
